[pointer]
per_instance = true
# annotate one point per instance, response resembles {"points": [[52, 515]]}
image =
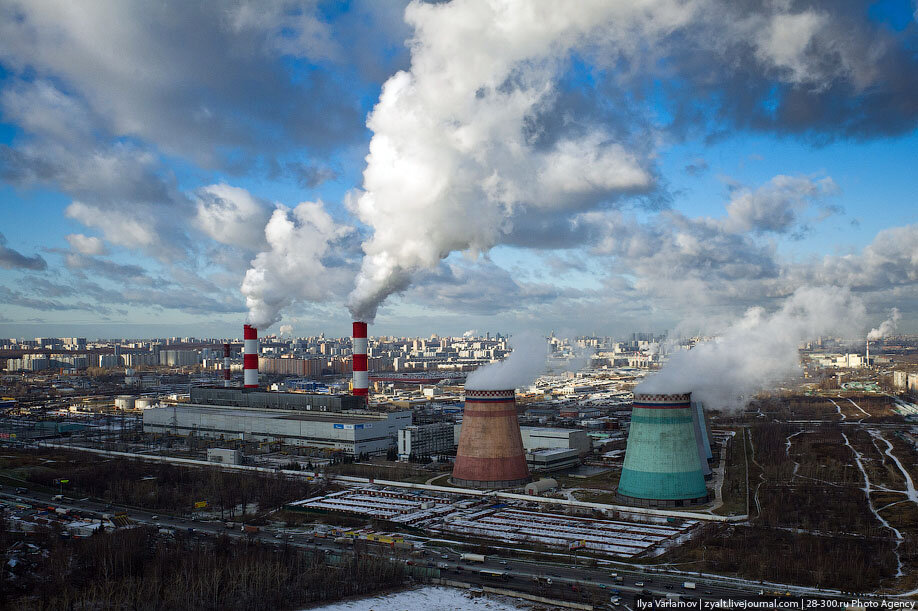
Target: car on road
{"points": [[503, 562], [444, 556], [639, 584], [154, 518]]}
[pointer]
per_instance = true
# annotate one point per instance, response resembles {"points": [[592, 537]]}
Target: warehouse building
{"points": [[354, 433]]}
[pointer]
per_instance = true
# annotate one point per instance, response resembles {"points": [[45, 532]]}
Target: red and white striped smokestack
{"points": [[226, 365], [250, 358], [359, 360]]}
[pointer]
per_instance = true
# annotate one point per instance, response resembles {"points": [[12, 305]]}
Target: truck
{"points": [[472, 558], [689, 585]]}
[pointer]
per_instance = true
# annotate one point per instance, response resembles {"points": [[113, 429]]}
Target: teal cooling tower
{"points": [[662, 467]]}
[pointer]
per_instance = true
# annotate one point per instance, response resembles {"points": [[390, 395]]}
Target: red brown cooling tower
{"points": [[359, 360], [490, 453]]}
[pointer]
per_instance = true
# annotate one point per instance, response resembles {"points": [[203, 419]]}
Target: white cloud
{"points": [[232, 215], [86, 245]]}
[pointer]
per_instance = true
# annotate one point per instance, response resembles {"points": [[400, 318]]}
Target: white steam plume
{"points": [[522, 366], [887, 326], [286, 330], [759, 350], [293, 267], [454, 160], [470, 333]]}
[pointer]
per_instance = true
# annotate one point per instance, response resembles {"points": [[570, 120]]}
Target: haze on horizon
{"points": [[176, 169]]}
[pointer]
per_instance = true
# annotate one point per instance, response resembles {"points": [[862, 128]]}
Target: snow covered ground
{"points": [[426, 599]]}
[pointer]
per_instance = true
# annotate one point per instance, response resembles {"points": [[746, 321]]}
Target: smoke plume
{"points": [[294, 266], [887, 326], [522, 366], [286, 330], [758, 351], [464, 142]]}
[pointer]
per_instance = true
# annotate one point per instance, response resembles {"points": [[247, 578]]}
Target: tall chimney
{"points": [[359, 360], [226, 365], [867, 360], [250, 357]]}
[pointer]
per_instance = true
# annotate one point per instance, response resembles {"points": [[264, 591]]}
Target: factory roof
{"points": [[284, 414]]}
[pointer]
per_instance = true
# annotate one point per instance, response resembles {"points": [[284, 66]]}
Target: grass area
{"points": [[593, 496], [734, 487], [602, 481]]}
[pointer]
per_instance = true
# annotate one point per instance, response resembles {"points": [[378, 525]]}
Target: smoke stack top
{"points": [[522, 366], [758, 351]]}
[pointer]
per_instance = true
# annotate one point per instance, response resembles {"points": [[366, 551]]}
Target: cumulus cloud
{"points": [[13, 259], [193, 99], [759, 350], [232, 215], [300, 263], [775, 206], [86, 245]]}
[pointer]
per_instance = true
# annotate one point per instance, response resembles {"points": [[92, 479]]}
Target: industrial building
{"points": [[662, 465], [353, 433], [425, 439], [552, 459], [537, 437], [490, 453]]}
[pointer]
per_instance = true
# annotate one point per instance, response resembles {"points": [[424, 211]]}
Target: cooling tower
{"points": [[704, 428], [701, 440], [662, 467], [359, 360], [490, 453], [250, 357], [226, 365]]}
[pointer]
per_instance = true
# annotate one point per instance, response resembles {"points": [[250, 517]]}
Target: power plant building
{"points": [[490, 453], [351, 432], [662, 465]]}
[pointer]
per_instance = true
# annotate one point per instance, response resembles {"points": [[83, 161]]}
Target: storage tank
{"points": [[144, 403], [662, 465], [490, 453], [124, 402]]}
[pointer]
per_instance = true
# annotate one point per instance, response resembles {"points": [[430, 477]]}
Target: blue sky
{"points": [[600, 169]]}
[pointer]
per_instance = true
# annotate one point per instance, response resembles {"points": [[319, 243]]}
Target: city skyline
{"points": [[600, 170]]}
